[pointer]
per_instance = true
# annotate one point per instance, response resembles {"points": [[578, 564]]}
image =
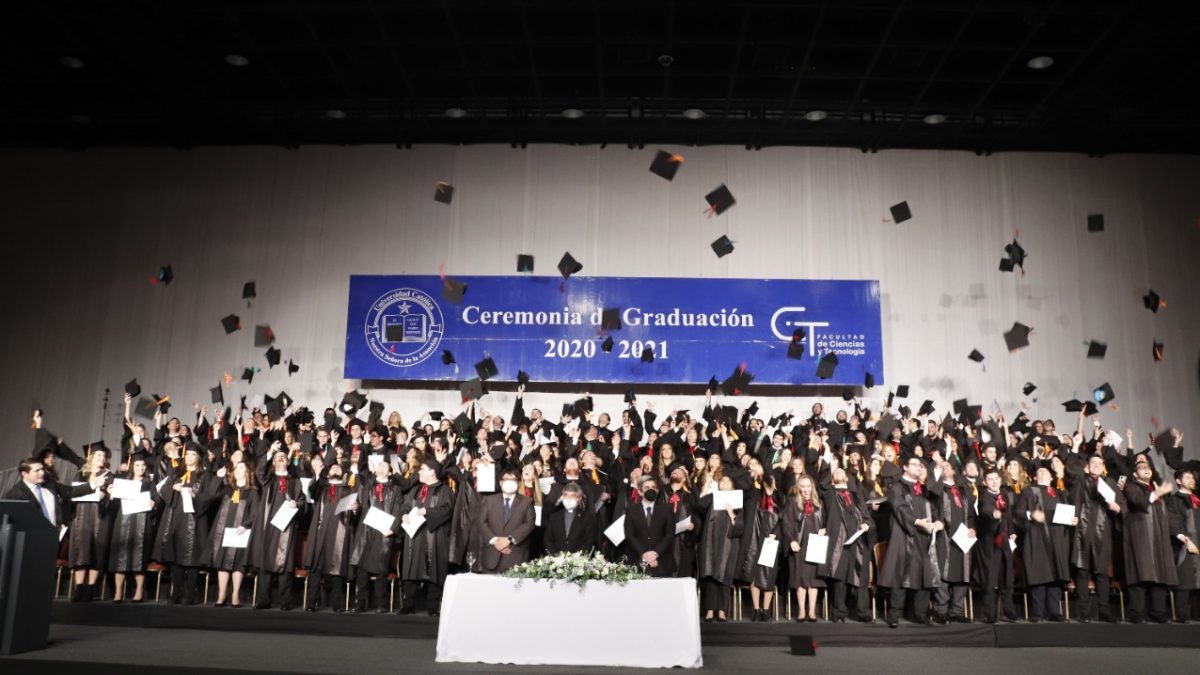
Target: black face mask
{"points": [[650, 495]]}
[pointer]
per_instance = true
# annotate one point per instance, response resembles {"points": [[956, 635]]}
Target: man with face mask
{"points": [[649, 531], [571, 527], [505, 523]]}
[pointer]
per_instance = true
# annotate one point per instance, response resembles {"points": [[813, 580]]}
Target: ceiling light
{"points": [[335, 114], [935, 118], [815, 115], [693, 113], [572, 113], [70, 62], [1040, 62], [237, 60], [456, 113]]}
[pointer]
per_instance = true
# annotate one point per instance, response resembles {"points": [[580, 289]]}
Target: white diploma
{"points": [[374, 459], [616, 531], [378, 519], [186, 495], [415, 521], [485, 477], [769, 553], [139, 504], [723, 498], [93, 497], [126, 489], [161, 483], [1012, 544], [345, 503], [283, 517], [547, 484], [682, 525], [853, 538], [537, 516], [305, 482], [818, 547], [962, 539], [1064, 514], [1105, 491], [232, 539]]}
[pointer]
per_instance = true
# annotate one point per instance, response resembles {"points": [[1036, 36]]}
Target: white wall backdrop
{"points": [[85, 230]]}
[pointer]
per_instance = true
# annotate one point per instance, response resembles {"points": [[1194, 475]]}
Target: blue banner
{"points": [[398, 326]]}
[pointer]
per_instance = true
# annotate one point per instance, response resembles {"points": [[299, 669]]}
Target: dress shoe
{"points": [[312, 608], [939, 619], [262, 605], [285, 607], [1182, 621], [1083, 619], [1058, 618], [959, 618], [406, 610], [435, 612], [766, 617], [337, 610], [754, 615], [893, 623], [357, 610], [223, 603], [381, 610], [708, 619]]}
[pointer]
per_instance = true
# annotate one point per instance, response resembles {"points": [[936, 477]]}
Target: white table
{"points": [[484, 618]]}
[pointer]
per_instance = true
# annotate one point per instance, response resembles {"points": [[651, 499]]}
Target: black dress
{"points": [[766, 523], [426, 556], [797, 522], [133, 535], [720, 541], [232, 514], [91, 531], [182, 537]]}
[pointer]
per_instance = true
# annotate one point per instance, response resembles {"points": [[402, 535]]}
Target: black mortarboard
{"points": [[753, 409], [486, 368], [905, 411], [1090, 408], [1152, 301], [1095, 222], [901, 212], [959, 406], [723, 246], [285, 399], [1103, 394], [948, 422], [453, 290], [629, 396], [448, 357], [971, 413], [720, 200], [584, 404], [133, 388], [568, 410], [471, 390], [1017, 336], [1074, 405], [926, 408], [713, 385], [826, 366], [274, 407], [1097, 350], [665, 164], [569, 265], [351, 402], [1029, 388], [847, 394], [890, 399], [902, 391], [1006, 265], [231, 323], [522, 377], [163, 403], [524, 262], [1016, 253], [249, 292], [218, 396], [795, 350], [273, 357], [376, 409], [97, 446], [869, 381], [263, 335], [610, 319], [443, 192], [248, 375], [975, 356], [436, 415], [292, 367], [647, 354], [462, 424], [164, 276], [607, 345], [738, 382], [1158, 352], [802, 645]]}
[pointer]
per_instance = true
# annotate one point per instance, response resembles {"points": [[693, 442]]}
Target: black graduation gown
{"points": [[720, 540], [1148, 556], [330, 535], [683, 546], [1045, 548], [955, 563], [181, 537], [133, 535], [993, 555], [1185, 519], [273, 551], [91, 530], [1092, 545], [846, 563], [235, 515], [464, 539], [372, 551], [911, 560], [427, 555], [796, 527], [766, 523]]}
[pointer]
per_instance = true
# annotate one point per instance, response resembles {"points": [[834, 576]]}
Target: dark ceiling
{"points": [[1125, 75]]}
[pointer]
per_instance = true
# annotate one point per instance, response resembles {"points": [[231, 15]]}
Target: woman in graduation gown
{"points": [[846, 515], [531, 488], [426, 559], [464, 540], [133, 535], [372, 551], [679, 497], [1045, 548], [273, 551], [238, 495], [1183, 509], [803, 516], [1149, 562], [91, 527], [765, 526], [330, 536], [181, 539], [716, 559]]}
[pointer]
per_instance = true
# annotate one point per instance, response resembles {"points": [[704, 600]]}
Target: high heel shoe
{"points": [[223, 603]]}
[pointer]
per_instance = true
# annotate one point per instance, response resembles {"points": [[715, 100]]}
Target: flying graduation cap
{"points": [[453, 290], [719, 200], [133, 388], [249, 292], [1096, 349], [665, 164], [975, 356], [1017, 337], [263, 335], [738, 382], [525, 263], [723, 246], [900, 212], [486, 369], [273, 355], [165, 275], [231, 323], [795, 348], [292, 368], [218, 396], [1016, 257], [610, 318], [443, 192], [647, 354], [248, 374], [1103, 394], [1153, 302], [1095, 222], [569, 265], [827, 365], [448, 359], [1029, 388], [607, 345]]}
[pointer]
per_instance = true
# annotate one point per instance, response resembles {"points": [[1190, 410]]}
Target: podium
{"points": [[28, 544]]}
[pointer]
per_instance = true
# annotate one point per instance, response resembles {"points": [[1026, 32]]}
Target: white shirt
{"points": [[47, 499]]}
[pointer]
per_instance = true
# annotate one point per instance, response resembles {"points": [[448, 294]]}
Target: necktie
{"points": [[649, 512], [845, 496], [37, 491], [507, 505], [957, 500], [917, 489]]}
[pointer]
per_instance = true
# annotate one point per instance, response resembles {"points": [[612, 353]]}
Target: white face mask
{"points": [[508, 486], [570, 504]]}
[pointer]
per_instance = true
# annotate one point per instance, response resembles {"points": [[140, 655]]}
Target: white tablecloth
{"points": [[643, 624]]}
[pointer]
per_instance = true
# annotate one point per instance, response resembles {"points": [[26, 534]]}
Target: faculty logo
{"points": [[404, 327], [786, 320]]}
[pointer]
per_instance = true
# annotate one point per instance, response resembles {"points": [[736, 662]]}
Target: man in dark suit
{"points": [[48, 501], [505, 524], [572, 525], [649, 529]]}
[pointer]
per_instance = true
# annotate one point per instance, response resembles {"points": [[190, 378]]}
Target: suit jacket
{"points": [[21, 491], [656, 535], [518, 526], [582, 536]]}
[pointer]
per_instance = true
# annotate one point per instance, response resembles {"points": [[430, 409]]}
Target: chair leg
{"points": [[304, 597], [1121, 595], [347, 594], [157, 586], [1171, 595], [1025, 598], [57, 581], [1067, 605], [207, 579]]}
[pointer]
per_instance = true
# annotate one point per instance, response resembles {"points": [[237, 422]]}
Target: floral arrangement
{"points": [[575, 568]]}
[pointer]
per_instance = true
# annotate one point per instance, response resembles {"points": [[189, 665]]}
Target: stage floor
{"points": [[422, 627]]}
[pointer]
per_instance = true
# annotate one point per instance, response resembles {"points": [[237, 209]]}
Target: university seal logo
{"points": [[404, 327]]}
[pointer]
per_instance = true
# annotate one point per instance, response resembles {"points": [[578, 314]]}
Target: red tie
{"points": [[424, 492], [633, 495], [1050, 491], [808, 508], [768, 503], [957, 501], [283, 485], [675, 502], [845, 496], [379, 492], [1195, 501], [332, 493], [1000, 502], [917, 489]]}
